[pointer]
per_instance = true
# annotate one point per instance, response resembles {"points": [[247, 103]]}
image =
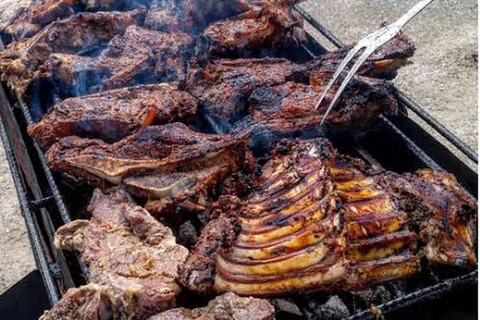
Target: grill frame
{"points": [[44, 208]]}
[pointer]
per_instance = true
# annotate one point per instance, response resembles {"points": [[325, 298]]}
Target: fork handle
{"points": [[412, 13]]}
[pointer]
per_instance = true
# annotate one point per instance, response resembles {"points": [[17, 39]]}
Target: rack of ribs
{"points": [[322, 221], [76, 34], [133, 261], [168, 165], [114, 114]]}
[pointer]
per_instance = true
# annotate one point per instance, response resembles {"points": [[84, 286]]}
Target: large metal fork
{"points": [[370, 43]]}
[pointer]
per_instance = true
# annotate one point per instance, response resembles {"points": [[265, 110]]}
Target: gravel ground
{"points": [[442, 78]]}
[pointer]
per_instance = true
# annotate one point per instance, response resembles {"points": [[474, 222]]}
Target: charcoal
{"points": [[377, 295], [286, 308], [187, 234], [333, 309]]}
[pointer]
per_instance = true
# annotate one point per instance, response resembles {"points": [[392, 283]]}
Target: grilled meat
{"points": [[114, 114], [89, 302], [168, 163], [254, 33], [76, 35], [443, 213], [321, 221], [383, 63], [193, 16], [289, 109], [223, 86], [39, 14], [42, 12], [140, 56], [226, 306], [129, 253]]}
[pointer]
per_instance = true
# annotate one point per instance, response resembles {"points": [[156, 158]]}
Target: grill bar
{"points": [[404, 99], [39, 253]]}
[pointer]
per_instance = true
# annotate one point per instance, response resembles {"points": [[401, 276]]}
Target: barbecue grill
{"points": [[49, 201]]}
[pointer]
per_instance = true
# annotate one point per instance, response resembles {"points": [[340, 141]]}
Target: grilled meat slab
{"points": [[140, 56], [42, 12], [383, 63], [322, 221], [289, 109], [444, 214], [75, 35], [168, 163], [226, 306], [114, 114], [223, 86], [128, 252], [254, 33]]}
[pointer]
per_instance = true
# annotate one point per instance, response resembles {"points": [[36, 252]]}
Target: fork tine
{"points": [[368, 51], [339, 70]]}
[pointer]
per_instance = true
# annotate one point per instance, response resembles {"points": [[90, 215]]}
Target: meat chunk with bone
{"points": [[226, 306], [114, 114], [322, 221], [169, 164], [130, 255], [75, 35], [253, 33], [140, 56]]}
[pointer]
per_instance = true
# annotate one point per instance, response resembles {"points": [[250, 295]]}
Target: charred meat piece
{"points": [[322, 221], [76, 35], [130, 254], [168, 163], [39, 14], [226, 306], [443, 213], [254, 33], [42, 12], [140, 56], [223, 86], [193, 16], [383, 63], [114, 114], [289, 109]]}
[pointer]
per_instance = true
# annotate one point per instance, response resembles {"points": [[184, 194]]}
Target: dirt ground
{"points": [[442, 78]]}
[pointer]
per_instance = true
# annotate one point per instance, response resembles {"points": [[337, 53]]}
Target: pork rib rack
{"points": [[322, 221]]}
